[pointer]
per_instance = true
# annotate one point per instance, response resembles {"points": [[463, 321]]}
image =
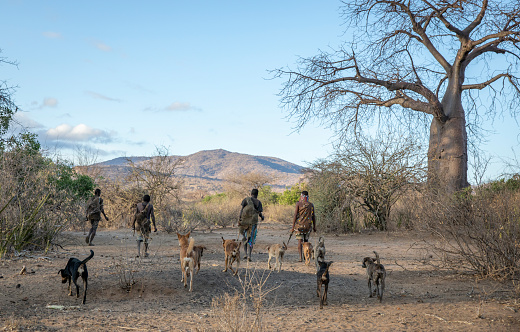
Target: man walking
{"points": [[143, 214], [94, 210], [248, 221], [304, 221]]}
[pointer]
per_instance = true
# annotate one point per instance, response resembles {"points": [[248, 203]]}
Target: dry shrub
{"points": [[36, 207], [279, 213], [477, 231], [243, 310]]}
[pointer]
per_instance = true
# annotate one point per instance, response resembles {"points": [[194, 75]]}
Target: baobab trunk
{"points": [[448, 148]]}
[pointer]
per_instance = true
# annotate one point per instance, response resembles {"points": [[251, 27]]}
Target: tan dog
{"points": [[308, 252], [187, 258], [277, 251], [197, 255], [232, 254]]}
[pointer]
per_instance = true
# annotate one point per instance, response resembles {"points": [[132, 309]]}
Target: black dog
{"points": [[376, 273], [323, 279], [73, 270]]}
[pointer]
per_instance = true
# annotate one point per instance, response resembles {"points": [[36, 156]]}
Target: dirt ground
{"points": [[418, 297]]}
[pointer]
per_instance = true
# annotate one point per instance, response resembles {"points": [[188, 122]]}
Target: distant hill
{"points": [[206, 170]]}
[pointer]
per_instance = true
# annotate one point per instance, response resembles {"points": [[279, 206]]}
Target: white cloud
{"points": [[100, 45], [50, 102], [78, 133], [25, 121], [178, 107], [52, 35], [100, 96]]}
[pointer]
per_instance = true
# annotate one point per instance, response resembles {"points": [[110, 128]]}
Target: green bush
{"points": [[292, 195]]}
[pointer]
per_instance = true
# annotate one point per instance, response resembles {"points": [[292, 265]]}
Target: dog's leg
{"points": [[84, 276], [370, 286], [321, 299], [77, 287], [191, 279], [318, 289], [377, 287], [225, 264], [382, 289], [269, 262], [325, 294], [182, 269], [70, 287]]}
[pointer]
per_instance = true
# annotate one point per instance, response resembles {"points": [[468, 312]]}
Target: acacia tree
{"points": [[157, 176], [410, 61]]}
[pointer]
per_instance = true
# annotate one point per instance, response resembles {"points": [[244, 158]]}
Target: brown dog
{"points": [[277, 251], [308, 252], [232, 254], [197, 255], [186, 258], [376, 273], [323, 279]]}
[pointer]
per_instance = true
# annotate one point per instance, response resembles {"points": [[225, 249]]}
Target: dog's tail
{"points": [[88, 258], [190, 246], [377, 258]]}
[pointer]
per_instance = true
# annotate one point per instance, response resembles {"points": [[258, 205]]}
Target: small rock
{"points": [[18, 286]]}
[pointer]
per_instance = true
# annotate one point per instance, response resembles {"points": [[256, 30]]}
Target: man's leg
{"points": [[250, 252], [145, 248], [300, 244], [139, 247], [92, 232]]}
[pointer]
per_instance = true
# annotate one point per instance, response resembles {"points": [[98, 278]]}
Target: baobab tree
{"points": [[411, 61]]}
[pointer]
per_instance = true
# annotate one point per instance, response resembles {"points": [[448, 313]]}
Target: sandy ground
{"points": [[418, 296]]}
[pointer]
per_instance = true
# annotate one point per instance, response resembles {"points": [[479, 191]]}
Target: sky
{"points": [[123, 78]]}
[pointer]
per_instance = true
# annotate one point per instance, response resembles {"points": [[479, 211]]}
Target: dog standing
{"points": [[277, 251], [319, 252], [73, 270], [232, 254], [308, 252], [323, 279], [376, 273], [197, 255]]}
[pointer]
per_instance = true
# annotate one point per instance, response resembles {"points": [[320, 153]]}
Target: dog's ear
{"points": [[284, 245], [188, 235], [179, 236], [60, 271], [223, 240]]}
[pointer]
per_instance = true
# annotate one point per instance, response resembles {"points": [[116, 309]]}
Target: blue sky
{"points": [[123, 77]]}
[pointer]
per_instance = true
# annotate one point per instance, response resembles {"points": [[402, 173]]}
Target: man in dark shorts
{"points": [[304, 221], [94, 210], [248, 221], [143, 214]]}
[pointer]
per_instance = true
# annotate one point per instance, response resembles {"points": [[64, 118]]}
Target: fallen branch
{"points": [[449, 321]]}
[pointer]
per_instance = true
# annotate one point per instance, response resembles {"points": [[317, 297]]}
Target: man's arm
{"points": [[313, 219], [102, 208], [135, 217], [152, 216], [260, 210]]}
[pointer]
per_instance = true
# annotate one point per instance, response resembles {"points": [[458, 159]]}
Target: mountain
{"points": [[207, 170]]}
